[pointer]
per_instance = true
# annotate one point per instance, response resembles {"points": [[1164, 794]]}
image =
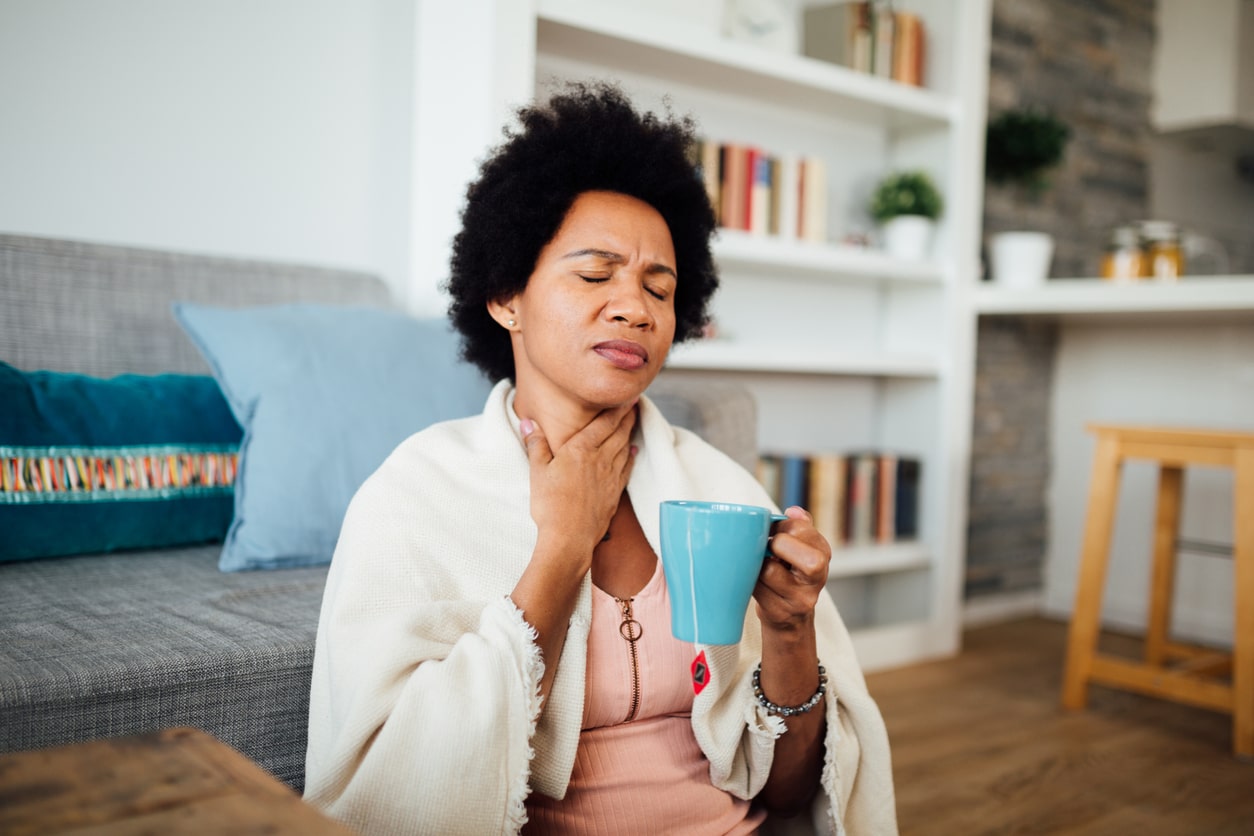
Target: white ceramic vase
{"points": [[907, 237], [1021, 259]]}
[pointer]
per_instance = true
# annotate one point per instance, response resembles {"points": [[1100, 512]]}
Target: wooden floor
{"points": [[981, 746]]}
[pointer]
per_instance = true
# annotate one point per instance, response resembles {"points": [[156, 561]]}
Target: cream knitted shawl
{"points": [[424, 715]]}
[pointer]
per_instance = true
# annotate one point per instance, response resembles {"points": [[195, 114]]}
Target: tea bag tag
{"points": [[700, 673]]}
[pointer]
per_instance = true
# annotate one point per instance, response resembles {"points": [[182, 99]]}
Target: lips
{"points": [[623, 354]]}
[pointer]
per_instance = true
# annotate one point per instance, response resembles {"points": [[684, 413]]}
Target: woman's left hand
{"points": [[793, 574], [788, 589]]}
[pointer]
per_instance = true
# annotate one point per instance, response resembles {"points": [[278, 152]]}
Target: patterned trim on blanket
{"points": [[102, 474]]}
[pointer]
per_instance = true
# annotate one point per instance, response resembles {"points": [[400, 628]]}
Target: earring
{"points": [[512, 323]]}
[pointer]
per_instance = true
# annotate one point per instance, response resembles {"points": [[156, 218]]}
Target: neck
{"points": [[559, 416]]}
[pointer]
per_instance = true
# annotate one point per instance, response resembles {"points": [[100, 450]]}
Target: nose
{"points": [[627, 304]]}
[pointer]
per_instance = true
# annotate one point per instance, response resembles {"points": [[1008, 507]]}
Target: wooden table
{"points": [[173, 781]]}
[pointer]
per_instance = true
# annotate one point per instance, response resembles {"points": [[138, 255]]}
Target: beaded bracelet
{"points": [[784, 710]]}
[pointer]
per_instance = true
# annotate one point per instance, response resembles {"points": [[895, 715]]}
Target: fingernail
{"points": [[634, 449], [527, 427]]}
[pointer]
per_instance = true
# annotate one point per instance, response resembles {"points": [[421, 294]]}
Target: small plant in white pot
{"points": [[906, 204], [1021, 146]]}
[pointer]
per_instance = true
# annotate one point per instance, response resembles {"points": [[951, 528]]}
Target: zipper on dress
{"points": [[631, 630]]}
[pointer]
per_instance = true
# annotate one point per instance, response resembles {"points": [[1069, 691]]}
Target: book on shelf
{"points": [[882, 20], [758, 217], [710, 167], [794, 481], [908, 49], [827, 494], [858, 498], [761, 193], [812, 220], [867, 37], [788, 189], [906, 496]]}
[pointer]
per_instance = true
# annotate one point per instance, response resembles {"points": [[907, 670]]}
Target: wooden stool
{"points": [[1196, 675]]}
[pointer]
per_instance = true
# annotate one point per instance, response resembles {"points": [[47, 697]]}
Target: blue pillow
{"points": [[90, 465], [324, 393]]}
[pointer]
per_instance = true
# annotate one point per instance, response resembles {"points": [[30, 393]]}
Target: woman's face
{"points": [[597, 317]]}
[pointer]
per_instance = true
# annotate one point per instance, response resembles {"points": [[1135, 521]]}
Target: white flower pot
{"points": [[907, 237], [1021, 259]]}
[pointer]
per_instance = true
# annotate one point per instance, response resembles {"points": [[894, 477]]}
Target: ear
{"points": [[503, 311]]}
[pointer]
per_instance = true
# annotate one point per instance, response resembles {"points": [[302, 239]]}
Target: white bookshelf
{"points": [[844, 347], [822, 262], [798, 358], [857, 561]]}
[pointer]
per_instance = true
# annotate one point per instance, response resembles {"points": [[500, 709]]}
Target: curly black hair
{"points": [[588, 137]]}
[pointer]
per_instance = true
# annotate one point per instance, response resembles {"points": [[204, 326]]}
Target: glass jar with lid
{"points": [[1123, 260], [1164, 256]]}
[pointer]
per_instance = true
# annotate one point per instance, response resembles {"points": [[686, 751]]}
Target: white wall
{"points": [[276, 130], [1157, 374], [1198, 187]]}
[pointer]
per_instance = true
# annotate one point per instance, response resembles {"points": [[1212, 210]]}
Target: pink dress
{"points": [[638, 768]]}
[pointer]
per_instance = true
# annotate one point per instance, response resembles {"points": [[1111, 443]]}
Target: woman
{"points": [[494, 647]]}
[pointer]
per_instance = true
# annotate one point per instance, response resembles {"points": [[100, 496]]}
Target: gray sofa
{"points": [[105, 645]]}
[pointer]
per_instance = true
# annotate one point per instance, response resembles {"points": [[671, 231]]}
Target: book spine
{"points": [[861, 505], [727, 186], [814, 195], [768, 475], [908, 49], [906, 509], [773, 211], [886, 513], [794, 481], [882, 52], [711, 175], [760, 195], [861, 37], [825, 490], [789, 189]]}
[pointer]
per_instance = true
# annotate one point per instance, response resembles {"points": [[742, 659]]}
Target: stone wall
{"points": [[1088, 62]]}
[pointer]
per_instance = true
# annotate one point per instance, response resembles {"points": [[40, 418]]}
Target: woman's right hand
{"points": [[575, 489]]}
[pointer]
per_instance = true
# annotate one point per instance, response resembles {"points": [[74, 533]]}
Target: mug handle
{"points": [[774, 519]]}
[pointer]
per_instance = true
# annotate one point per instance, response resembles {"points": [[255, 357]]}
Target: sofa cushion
{"points": [[148, 640], [91, 465], [324, 393]]}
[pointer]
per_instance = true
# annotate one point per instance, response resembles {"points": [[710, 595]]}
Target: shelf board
{"points": [[620, 37], [728, 355], [1192, 298], [736, 248], [892, 645], [855, 561]]}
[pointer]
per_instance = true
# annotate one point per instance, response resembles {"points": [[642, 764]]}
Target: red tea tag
{"points": [[700, 673]]}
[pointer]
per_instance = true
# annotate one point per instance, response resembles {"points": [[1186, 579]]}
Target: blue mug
{"points": [[712, 553]]}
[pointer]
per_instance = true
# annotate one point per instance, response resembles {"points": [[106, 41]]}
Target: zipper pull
{"points": [[629, 629]]}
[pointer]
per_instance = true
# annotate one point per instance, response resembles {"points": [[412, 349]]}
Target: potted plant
{"points": [[1021, 146], [906, 204]]}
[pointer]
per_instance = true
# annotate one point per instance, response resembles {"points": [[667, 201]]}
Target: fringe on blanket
{"points": [[533, 673]]}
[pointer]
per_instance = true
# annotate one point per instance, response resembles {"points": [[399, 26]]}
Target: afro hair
{"points": [[588, 137]]}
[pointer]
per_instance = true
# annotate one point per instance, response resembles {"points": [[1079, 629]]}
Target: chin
{"points": [[622, 389]]}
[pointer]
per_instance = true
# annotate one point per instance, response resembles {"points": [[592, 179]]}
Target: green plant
{"points": [[1021, 145], [906, 193]]}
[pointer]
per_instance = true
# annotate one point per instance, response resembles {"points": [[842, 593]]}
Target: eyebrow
{"points": [[618, 259]]}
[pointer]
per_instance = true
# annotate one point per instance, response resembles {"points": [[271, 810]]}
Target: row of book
{"points": [[765, 194], [869, 37], [859, 498]]}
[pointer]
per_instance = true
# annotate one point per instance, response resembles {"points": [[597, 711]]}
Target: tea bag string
{"points": [[692, 588]]}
